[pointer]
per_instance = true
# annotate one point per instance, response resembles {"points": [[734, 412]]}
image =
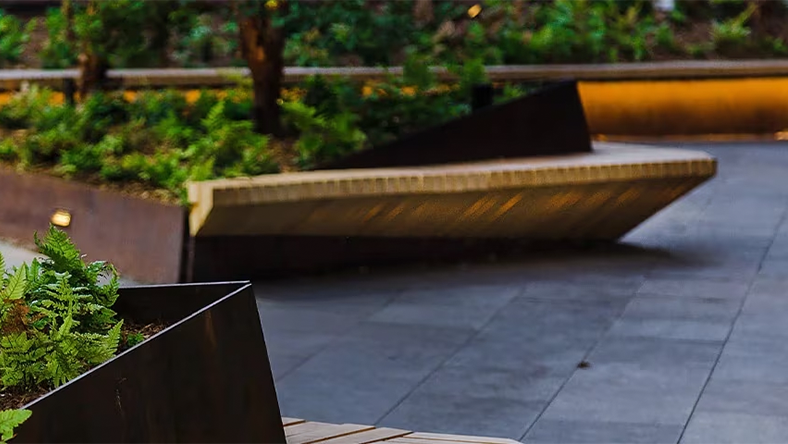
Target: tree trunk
{"points": [[423, 12], [68, 12], [92, 66], [262, 45], [92, 72], [160, 28]]}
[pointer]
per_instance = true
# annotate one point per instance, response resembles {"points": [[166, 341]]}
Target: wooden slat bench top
{"points": [[299, 431], [599, 195]]}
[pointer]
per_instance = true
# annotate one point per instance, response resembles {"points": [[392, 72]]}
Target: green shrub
{"points": [[321, 137], [22, 109], [58, 52], [733, 34], [199, 42], [13, 38]]}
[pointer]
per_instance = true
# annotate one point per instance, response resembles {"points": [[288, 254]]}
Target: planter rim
{"points": [[241, 285]]}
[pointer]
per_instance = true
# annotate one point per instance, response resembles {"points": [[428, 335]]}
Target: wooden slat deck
{"points": [[299, 431]]}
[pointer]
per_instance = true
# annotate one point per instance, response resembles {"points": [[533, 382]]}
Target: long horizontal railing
{"points": [[137, 78]]}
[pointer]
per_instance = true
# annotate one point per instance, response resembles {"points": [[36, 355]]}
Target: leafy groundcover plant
{"points": [[56, 322]]}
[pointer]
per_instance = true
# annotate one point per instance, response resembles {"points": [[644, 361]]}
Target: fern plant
{"points": [[56, 321]]}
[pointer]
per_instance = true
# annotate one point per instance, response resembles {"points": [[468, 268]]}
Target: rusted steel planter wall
{"points": [[206, 378], [142, 238]]}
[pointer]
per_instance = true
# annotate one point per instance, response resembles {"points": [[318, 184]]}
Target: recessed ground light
{"points": [[61, 218], [474, 10]]}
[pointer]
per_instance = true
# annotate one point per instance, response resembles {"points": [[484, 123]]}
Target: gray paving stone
{"points": [[284, 363], [751, 326], [741, 274], [594, 432], [546, 356], [462, 414], [330, 396], [668, 307], [767, 298], [361, 376], [735, 428], [299, 343], [629, 393], [524, 319], [774, 268], [327, 297], [693, 330], [529, 383], [753, 397], [696, 288], [637, 380], [592, 291], [761, 359], [470, 307], [677, 318], [278, 318], [655, 353]]}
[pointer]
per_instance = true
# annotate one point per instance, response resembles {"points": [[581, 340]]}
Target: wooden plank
{"points": [[408, 440], [318, 432], [460, 438], [368, 436], [305, 427], [291, 421], [430, 438]]}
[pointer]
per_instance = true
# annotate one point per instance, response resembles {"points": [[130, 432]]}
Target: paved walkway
{"points": [[684, 330]]}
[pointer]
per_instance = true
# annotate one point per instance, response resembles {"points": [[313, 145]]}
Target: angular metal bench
{"points": [[599, 196], [521, 171]]}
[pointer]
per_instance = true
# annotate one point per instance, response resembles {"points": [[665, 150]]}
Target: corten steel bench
{"points": [[502, 177]]}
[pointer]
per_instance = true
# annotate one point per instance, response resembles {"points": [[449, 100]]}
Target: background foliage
{"points": [[195, 33]]}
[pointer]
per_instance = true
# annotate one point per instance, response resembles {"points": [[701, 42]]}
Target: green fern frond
{"points": [[2, 266], [61, 252], [15, 288], [11, 419], [215, 118]]}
